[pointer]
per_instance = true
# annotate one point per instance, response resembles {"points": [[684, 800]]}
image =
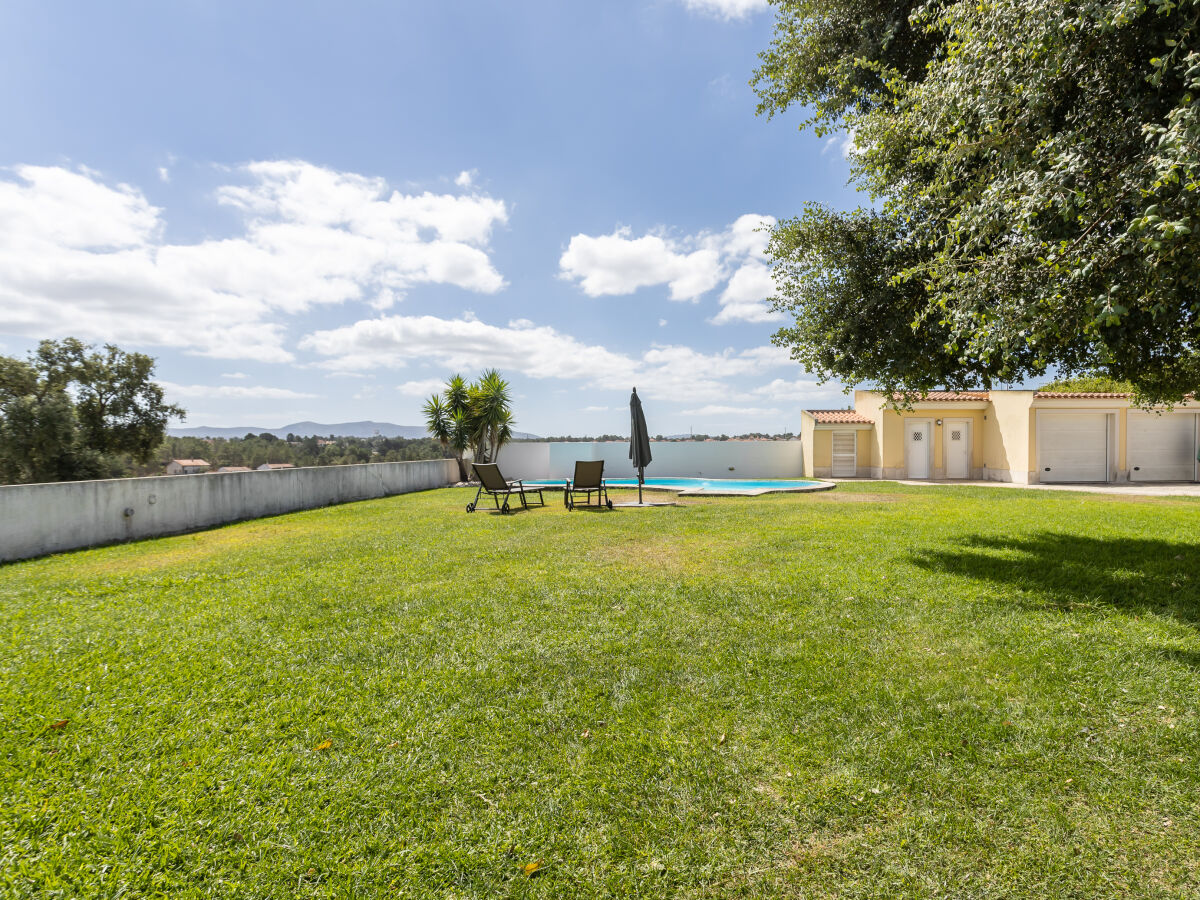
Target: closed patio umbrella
{"points": [[639, 440]]}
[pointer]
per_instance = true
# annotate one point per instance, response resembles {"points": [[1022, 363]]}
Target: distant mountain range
{"points": [[319, 429]]}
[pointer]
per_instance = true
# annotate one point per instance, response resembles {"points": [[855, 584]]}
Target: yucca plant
{"points": [[490, 415], [473, 417]]}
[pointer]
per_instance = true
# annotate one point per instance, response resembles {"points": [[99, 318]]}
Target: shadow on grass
{"points": [[1068, 570]]}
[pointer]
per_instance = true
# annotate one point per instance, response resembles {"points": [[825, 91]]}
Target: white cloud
{"points": [[233, 374], [690, 266], [668, 371], [164, 174], [86, 258], [424, 388], [845, 143], [466, 178], [231, 392], [620, 264], [597, 408], [745, 296], [727, 9], [662, 323]]}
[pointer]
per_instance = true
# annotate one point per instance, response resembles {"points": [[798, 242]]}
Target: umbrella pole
{"points": [[641, 478]]}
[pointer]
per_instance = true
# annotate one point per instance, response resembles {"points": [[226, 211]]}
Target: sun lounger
{"points": [[495, 484], [588, 480]]}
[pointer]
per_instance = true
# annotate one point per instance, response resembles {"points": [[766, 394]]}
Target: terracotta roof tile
{"points": [[945, 396], [838, 417]]}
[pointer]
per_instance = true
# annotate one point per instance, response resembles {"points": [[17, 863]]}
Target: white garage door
{"points": [[1162, 447], [845, 454], [1072, 446]]}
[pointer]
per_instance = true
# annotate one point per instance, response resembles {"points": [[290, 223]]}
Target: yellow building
{"points": [[1021, 436]]}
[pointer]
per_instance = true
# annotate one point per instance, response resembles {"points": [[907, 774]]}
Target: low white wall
{"points": [[523, 460], [46, 518], [694, 459]]}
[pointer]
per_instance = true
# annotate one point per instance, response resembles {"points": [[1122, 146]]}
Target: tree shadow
{"points": [[1069, 570]]}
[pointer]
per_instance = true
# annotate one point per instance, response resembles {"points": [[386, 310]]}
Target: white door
{"points": [[918, 446], [1161, 447], [845, 454], [958, 448], [1072, 446]]}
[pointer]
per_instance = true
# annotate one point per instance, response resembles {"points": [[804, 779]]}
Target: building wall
{"points": [[823, 451], [689, 459], [870, 405], [46, 518], [895, 464], [1011, 455], [818, 450], [807, 430]]}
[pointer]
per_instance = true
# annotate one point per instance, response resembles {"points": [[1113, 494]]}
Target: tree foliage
{"points": [[1089, 383], [1035, 167], [69, 412], [255, 449], [475, 417]]}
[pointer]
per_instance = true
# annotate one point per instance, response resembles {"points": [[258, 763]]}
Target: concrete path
{"points": [[1172, 489]]}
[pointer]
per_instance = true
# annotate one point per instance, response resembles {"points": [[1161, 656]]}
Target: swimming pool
{"points": [[746, 486]]}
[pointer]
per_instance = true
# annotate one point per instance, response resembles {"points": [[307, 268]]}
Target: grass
{"points": [[879, 691]]}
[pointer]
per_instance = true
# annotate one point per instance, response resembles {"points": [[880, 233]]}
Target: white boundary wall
{"points": [[45, 518], [691, 459]]}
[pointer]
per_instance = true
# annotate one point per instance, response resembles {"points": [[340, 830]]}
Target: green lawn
{"points": [[876, 691]]}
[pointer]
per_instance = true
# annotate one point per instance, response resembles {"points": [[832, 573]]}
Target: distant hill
{"points": [[318, 429]]}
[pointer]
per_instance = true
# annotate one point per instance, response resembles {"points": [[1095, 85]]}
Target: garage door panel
{"points": [[845, 454], [1161, 447], [1073, 446]]}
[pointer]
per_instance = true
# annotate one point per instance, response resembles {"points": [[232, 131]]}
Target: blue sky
{"points": [[318, 211]]}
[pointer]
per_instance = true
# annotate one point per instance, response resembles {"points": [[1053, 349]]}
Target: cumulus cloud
{"points": [[745, 296], [672, 372], [426, 387], [692, 265], [88, 258], [466, 178], [727, 9], [230, 392], [619, 263]]}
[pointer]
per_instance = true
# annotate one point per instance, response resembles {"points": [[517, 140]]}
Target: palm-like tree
{"points": [[445, 425], [491, 415], [473, 417]]}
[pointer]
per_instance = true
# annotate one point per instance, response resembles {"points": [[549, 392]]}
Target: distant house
{"points": [[235, 469], [269, 467], [1025, 437], [187, 466]]}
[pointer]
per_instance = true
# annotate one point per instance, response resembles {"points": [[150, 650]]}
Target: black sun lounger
{"points": [[588, 480], [493, 483]]}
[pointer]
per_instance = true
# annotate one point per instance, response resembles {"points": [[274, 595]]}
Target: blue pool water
{"points": [[705, 484]]}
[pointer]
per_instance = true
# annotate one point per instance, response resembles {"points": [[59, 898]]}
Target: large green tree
{"points": [[70, 412], [1034, 168]]}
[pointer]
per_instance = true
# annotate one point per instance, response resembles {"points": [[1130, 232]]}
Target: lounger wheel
{"points": [[609, 502], [470, 507]]}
